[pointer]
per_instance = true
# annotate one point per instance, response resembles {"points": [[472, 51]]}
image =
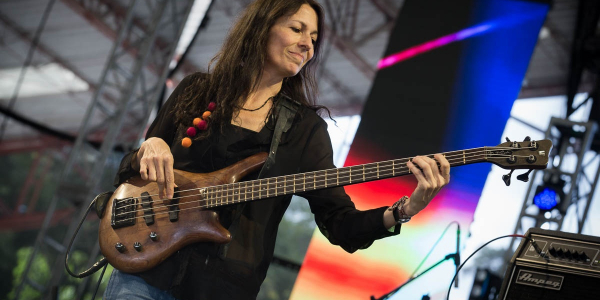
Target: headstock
{"points": [[514, 155]]}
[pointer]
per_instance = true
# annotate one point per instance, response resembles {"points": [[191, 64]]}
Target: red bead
{"points": [[212, 106], [202, 125], [191, 132]]}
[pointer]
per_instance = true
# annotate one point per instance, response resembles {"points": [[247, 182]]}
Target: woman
{"points": [[271, 51]]}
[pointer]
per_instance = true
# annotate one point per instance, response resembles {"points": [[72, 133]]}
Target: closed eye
{"points": [[296, 30]]}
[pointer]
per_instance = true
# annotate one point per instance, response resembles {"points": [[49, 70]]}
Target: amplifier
{"points": [[565, 266]]}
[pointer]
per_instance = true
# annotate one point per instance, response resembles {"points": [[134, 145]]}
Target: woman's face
{"points": [[291, 42]]}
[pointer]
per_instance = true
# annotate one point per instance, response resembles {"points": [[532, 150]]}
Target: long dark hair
{"points": [[239, 64]]}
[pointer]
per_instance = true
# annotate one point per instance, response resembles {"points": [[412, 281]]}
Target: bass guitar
{"points": [[138, 230]]}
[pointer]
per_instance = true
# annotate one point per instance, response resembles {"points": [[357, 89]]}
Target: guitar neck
{"points": [[309, 181]]}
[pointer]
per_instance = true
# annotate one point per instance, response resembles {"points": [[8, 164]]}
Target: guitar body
{"points": [[160, 238]]}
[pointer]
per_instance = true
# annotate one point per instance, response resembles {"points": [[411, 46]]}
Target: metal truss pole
{"points": [[127, 79], [572, 161]]}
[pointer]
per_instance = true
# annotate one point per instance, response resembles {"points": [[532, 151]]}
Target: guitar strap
{"points": [[286, 111]]}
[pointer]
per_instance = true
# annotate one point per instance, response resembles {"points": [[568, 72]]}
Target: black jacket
{"points": [[201, 271]]}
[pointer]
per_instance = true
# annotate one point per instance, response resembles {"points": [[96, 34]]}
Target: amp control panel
{"points": [[563, 249]]}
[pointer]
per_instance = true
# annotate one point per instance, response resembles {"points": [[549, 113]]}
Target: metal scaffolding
{"points": [[572, 167], [127, 92]]}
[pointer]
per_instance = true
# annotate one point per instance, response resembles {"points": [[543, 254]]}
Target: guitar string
{"points": [[224, 192], [221, 196], [205, 205], [459, 153], [344, 170], [401, 160], [200, 206], [219, 202]]}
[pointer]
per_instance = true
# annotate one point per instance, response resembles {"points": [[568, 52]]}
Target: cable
{"points": [[432, 248], [456, 274], [95, 267], [99, 281]]}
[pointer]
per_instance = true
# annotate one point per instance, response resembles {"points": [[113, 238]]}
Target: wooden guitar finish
{"points": [[193, 224], [138, 230]]}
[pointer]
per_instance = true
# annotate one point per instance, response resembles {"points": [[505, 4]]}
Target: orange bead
{"points": [[186, 142], [196, 121], [205, 115]]}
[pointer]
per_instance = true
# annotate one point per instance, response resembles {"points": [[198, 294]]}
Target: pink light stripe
{"points": [[427, 46]]}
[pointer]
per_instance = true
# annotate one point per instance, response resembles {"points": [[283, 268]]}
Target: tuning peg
{"points": [[533, 146], [506, 178], [525, 176], [507, 139], [527, 139]]}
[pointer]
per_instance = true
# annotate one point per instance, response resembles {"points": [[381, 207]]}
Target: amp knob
{"points": [[575, 255], [560, 253], [568, 254]]}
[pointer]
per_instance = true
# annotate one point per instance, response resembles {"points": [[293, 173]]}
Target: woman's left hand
{"points": [[431, 179]]}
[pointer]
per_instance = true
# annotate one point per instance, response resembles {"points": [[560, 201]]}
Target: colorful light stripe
{"points": [[428, 46]]}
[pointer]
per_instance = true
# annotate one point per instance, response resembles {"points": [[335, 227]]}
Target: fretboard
{"points": [[309, 181]]}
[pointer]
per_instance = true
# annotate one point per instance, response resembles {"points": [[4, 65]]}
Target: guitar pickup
{"points": [[123, 212], [147, 208], [174, 206]]}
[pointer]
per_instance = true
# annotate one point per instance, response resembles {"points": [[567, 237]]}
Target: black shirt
{"points": [[204, 270]]}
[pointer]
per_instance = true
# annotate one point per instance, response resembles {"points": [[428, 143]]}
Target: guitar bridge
{"points": [[123, 212]]}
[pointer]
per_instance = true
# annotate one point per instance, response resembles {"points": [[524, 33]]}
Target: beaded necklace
{"points": [[200, 123]]}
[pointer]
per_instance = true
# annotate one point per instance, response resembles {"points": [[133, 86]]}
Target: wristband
{"points": [[400, 215]]}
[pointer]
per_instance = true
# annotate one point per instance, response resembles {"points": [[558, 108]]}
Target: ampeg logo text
{"points": [[543, 280]]}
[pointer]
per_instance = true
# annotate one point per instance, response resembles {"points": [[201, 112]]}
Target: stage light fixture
{"points": [[549, 195]]}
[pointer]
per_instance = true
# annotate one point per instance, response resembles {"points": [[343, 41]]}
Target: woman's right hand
{"points": [[155, 163]]}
